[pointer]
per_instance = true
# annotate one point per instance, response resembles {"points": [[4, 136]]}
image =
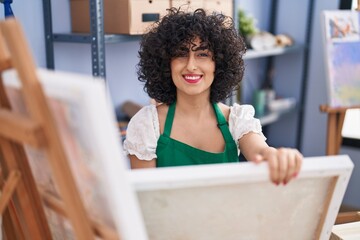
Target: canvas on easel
{"points": [[64, 131], [341, 34], [342, 56]]}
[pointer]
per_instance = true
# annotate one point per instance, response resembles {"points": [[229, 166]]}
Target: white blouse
{"points": [[143, 130]]}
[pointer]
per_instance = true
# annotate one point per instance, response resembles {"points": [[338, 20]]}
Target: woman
{"points": [[190, 62]]}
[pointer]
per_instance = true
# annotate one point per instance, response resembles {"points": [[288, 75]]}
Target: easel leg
{"points": [[340, 123], [331, 132], [8, 189], [334, 127], [9, 229]]}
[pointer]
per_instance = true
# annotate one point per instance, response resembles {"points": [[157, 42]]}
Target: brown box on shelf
{"points": [[120, 16], [224, 6], [187, 5]]}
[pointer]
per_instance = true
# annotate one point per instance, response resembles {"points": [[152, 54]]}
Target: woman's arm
{"points": [[284, 163], [137, 163]]}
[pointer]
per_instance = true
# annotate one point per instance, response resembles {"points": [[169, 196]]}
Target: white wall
{"points": [[29, 13], [122, 58], [314, 134]]}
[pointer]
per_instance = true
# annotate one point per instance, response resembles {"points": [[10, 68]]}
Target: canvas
{"points": [[237, 201], [341, 34], [87, 128]]}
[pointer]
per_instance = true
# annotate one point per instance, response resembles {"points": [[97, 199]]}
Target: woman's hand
{"points": [[284, 163]]}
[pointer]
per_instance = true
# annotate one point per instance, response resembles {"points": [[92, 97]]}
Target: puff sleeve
{"points": [[242, 121], [143, 133]]}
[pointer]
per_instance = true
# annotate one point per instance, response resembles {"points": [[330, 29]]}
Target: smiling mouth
{"points": [[192, 78]]}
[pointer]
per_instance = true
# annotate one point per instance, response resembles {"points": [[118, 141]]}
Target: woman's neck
{"points": [[193, 106]]}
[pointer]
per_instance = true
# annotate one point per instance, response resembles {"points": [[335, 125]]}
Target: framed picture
{"points": [[237, 201], [87, 127], [341, 34]]}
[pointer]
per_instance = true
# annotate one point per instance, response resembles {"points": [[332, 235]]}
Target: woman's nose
{"points": [[191, 63]]}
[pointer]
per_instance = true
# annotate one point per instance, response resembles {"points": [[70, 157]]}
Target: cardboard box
{"points": [[187, 5], [120, 16], [221, 6]]}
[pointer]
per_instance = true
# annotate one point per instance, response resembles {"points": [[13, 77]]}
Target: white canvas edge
{"points": [[210, 175], [329, 89], [123, 202]]}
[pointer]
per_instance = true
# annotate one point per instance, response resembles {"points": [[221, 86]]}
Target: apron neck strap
{"points": [[169, 119], [220, 117], [222, 124]]}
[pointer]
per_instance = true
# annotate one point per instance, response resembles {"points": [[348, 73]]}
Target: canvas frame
{"points": [[155, 186], [86, 97]]}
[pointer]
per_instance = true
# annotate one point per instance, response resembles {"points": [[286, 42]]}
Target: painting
{"points": [[342, 57], [84, 117], [237, 201]]}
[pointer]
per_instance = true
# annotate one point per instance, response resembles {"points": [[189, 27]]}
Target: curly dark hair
{"points": [[178, 29]]}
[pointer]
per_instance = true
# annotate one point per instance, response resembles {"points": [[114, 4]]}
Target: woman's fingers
{"points": [[283, 158], [299, 159], [271, 155], [292, 166], [274, 168], [284, 164]]}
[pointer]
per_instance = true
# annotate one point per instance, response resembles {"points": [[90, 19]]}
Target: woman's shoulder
{"points": [[237, 110], [142, 133], [225, 109], [243, 110], [145, 111], [162, 109], [146, 116], [242, 121]]}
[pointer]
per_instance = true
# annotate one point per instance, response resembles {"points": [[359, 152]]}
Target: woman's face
{"points": [[193, 71]]}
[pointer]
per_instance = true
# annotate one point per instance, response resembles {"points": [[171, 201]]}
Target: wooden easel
{"points": [[21, 202], [335, 123]]}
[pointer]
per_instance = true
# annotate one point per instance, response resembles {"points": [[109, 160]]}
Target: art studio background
{"points": [[297, 76]]}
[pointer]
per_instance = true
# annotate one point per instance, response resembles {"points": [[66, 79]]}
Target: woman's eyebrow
{"points": [[200, 48]]}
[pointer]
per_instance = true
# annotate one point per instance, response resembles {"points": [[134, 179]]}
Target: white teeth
{"points": [[192, 77]]}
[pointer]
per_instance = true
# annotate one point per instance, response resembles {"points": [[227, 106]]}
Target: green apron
{"points": [[171, 152]]}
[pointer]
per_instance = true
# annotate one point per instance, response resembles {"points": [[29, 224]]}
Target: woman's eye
{"points": [[204, 54]]}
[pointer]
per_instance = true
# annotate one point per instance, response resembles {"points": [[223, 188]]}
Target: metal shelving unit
{"points": [[96, 37], [271, 54]]}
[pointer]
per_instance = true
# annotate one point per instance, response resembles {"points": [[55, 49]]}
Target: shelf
{"points": [[86, 38], [251, 54], [271, 117], [117, 38]]}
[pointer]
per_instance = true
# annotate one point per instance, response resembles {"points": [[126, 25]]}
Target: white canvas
{"points": [[237, 201], [87, 127]]}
